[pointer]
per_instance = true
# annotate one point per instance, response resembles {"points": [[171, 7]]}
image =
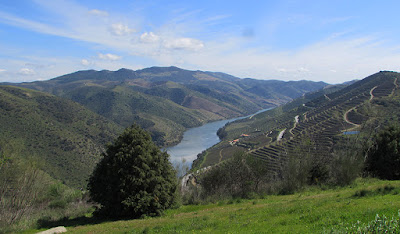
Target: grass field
{"points": [[313, 210]]}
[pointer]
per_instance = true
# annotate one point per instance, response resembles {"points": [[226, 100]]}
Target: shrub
{"points": [[381, 224], [58, 204], [347, 161], [345, 167], [19, 189], [301, 169], [295, 174], [134, 178], [240, 177], [383, 158]]}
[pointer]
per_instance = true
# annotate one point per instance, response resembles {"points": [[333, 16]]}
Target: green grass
{"points": [[311, 211]]}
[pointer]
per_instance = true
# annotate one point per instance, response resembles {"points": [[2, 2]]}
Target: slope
{"points": [[63, 136], [312, 126], [168, 100], [311, 211]]}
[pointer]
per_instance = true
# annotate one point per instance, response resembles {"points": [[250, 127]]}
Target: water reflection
{"points": [[196, 140], [351, 132]]}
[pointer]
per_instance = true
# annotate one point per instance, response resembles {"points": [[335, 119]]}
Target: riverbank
{"points": [[196, 140]]}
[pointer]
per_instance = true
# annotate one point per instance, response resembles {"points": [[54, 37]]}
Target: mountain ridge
{"points": [[184, 98]]}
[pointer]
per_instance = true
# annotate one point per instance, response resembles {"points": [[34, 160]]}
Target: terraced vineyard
{"points": [[309, 128], [314, 133]]}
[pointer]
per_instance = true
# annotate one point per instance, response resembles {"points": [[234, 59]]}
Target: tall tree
{"points": [[134, 178]]}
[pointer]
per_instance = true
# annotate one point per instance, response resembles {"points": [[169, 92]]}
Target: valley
{"points": [[308, 135], [307, 127], [68, 120], [168, 100], [134, 116], [197, 140]]}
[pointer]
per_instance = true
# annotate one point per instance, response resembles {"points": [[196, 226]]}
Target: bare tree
{"points": [[18, 190]]}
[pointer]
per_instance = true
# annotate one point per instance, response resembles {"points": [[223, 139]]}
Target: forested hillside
{"points": [[68, 138], [168, 100], [65, 138]]}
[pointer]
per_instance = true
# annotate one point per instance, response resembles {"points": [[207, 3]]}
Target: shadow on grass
{"points": [[79, 221], [387, 189]]}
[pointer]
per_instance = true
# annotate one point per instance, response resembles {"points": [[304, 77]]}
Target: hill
{"points": [[314, 124], [65, 137], [168, 100], [309, 211]]}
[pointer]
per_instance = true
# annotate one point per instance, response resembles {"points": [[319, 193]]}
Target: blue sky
{"points": [[331, 41]]}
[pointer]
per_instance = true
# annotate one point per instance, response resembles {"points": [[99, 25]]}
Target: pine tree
{"points": [[134, 178]]}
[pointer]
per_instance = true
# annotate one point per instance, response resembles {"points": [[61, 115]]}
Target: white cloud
{"points": [[28, 24], [337, 20], [76, 24], [302, 69], [149, 37], [350, 57], [2, 70], [112, 57], [216, 19], [85, 62], [120, 29], [54, 67], [184, 44], [98, 12], [27, 71]]}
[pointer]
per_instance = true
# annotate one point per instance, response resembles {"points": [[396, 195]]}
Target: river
{"points": [[196, 140]]}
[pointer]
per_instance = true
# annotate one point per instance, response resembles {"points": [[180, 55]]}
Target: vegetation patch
{"points": [[314, 210], [381, 191]]}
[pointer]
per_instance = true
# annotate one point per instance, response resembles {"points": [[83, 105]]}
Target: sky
{"points": [[322, 40]]}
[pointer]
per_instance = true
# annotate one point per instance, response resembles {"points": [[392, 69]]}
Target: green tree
{"points": [[383, 158], [134, 178]]}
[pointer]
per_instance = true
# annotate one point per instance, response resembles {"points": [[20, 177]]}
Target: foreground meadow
{"points": [[314, 210]]}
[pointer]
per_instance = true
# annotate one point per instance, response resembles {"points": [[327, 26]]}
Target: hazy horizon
{"points": [[325, 41]]}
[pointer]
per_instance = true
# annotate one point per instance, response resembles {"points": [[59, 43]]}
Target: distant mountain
{"points": [[313, 124], [168, 100], [63, 136]]}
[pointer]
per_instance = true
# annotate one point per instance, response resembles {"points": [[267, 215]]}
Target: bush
{"points": [[134, 178], [19, 190], [239, 177], [28, 195], [60, 196], [345, 167], [301, 169], [383, 158], [381, 224]]}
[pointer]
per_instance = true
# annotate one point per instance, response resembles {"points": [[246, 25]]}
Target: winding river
{"points": [[196, 140]]}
